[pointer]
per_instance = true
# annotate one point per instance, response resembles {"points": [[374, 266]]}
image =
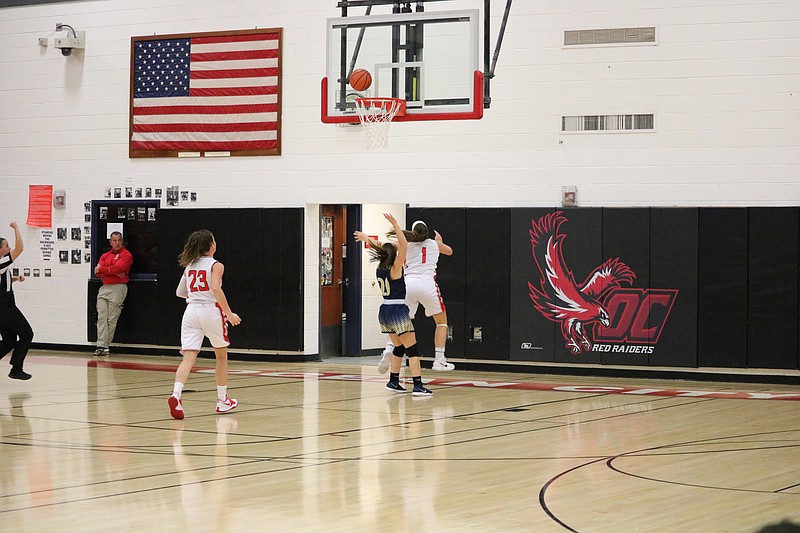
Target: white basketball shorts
{"points": [[203, 320], [425, 291]]}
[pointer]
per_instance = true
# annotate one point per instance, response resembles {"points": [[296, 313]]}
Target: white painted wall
{"points": [[374, 224], [723, 83]]}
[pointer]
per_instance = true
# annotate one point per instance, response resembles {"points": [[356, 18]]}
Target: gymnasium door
{"points": [[340, 281]]}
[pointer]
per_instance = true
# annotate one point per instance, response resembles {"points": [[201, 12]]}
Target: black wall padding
{"points": [[487, 275], [262, 251], [772, 313], [714, 287], [240, 248], [673, 265], [139, 313], [722, 288], [531, 336], [626, 236], [172, 234], [451, 224], [282, 234], [583, 252]]}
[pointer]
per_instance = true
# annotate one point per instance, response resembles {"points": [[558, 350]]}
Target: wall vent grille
{"points": [[599, 123], [610, 36]]}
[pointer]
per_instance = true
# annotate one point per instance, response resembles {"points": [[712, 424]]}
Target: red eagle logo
{"points": [[558, 297]]}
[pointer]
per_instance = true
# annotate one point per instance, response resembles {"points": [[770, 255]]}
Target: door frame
{"points": [[351, 273], [343, 339]]}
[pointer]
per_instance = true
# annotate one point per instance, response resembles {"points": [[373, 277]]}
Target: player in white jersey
{"points": [[207, 315], [422, 257]]}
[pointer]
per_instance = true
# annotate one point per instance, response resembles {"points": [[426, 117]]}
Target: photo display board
{"points": [[136, 219]]}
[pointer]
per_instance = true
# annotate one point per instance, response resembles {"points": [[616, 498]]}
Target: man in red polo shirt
{"points": [[112, 268]]}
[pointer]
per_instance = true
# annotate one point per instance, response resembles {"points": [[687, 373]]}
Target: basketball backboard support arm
{"points": [[358, 46], [489, 69]]}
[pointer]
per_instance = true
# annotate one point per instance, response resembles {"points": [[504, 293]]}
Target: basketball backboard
{"points": [[429, 59]]}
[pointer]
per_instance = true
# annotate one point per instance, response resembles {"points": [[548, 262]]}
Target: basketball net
{"points": [[376, 115]]}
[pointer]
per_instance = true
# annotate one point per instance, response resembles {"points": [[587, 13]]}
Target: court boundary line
{"points": [[448, 382]]}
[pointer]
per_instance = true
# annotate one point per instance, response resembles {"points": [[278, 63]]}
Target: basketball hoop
{"points": [[376, 115]]}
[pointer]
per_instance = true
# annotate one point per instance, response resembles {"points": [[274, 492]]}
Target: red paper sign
{"points": [[40, 206]]}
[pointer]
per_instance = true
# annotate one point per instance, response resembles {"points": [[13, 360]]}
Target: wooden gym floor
{"points": [[88, 445]]}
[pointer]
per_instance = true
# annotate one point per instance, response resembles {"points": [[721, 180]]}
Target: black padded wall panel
{"points": [[238, 248], [626, 236], [772, 314], [673, 266], [722, 288], [487, 282], [140, 311], [450, 276], [281, 314], [531, 335], [262, 252], [582, 250], [172, 234], [713, 287]]}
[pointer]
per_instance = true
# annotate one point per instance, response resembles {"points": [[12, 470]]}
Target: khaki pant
{"points": [[110, 299]]}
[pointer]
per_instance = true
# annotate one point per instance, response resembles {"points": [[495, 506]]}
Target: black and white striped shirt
{"points": [[5, 274]]}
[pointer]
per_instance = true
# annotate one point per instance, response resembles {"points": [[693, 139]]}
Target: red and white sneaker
{"points": [[228, 404], [175, 407]]}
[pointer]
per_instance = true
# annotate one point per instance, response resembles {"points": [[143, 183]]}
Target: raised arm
{"points": [[19, 246], [363, 237], [402, 246], [443, 248]]}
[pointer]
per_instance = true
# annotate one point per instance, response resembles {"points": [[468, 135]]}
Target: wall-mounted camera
{"points": [[74, 40]]}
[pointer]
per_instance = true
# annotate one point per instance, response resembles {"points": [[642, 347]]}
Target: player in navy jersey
{"points": [[393, 314], [422, 258], [207, 315]]}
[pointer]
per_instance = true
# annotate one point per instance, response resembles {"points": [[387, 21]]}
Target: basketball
{"points": [[360, 79]]}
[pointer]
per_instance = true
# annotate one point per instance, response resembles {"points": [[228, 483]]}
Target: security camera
{"points": [[68, 43]]}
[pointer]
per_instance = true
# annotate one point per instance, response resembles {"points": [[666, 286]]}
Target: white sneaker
{"points": [[386, 361], [228, 404], [442, 365]]}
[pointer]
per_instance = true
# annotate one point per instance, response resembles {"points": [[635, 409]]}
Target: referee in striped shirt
{"points": [[14, 327]]}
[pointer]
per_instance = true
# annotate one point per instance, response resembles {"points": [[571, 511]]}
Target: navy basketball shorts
{"points": [[393, 318]]}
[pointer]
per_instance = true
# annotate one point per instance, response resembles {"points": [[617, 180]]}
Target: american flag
{"points": [[210, 92]]}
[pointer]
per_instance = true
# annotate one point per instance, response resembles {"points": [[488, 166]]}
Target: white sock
{"points": [[222, 392], [177, 389], [440, 354]]}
